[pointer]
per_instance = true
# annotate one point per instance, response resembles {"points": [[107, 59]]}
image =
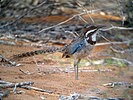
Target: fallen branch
{"points": [[12, 63], [12, 85], [4, 94], [116, 27], [84, 9], [7, 42], [100, 70], [114, 43], [77, 15], [25, 72], [113, 84], [76, 96], [129, 63], [4, 84], [121, 51], [35, 88]]}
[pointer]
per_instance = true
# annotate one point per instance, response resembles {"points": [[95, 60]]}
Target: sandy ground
{"points": [[54, 73], [50, 77]]}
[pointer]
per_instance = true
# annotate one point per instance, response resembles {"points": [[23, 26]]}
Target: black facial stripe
{"points": [[90, 27], [92, 42]]}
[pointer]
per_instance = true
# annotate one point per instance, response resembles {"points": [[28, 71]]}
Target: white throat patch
{"points": [[94, 37]]}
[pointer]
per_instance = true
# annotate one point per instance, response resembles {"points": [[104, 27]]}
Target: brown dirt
{"points": [[89, 83]]}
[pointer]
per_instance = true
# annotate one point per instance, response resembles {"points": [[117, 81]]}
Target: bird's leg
{"points": [[76, 62]]}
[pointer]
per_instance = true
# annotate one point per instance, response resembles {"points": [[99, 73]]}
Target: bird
{"points": [[82, 46], [79, 48]]}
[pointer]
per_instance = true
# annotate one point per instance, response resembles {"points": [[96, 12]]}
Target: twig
{"points": [[113, 84], [84, 9], [121, 51], [116, 27], [35, 88], [11, 85], [107, 39], [129, 63], [73, 96], [83, 19], [76, 96], [3, 82], [7, 42], [75, 34], [12, 63], [27, 12], [57, 24], [14, 85], [4, 94], [77, 15], [104, 38], [114, 43], [86, 70], [100, 70], [25, 72]]}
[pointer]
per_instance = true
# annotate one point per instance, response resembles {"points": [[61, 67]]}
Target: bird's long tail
{"points": [[36, 52]]}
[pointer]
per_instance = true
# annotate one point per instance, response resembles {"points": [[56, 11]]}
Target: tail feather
{"points": [[36, 52]]}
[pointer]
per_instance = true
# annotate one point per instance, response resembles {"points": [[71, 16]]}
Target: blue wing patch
{"points": [[77, 46]]}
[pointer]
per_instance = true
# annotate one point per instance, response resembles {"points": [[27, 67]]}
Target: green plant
{"points": [[111, 61]]}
